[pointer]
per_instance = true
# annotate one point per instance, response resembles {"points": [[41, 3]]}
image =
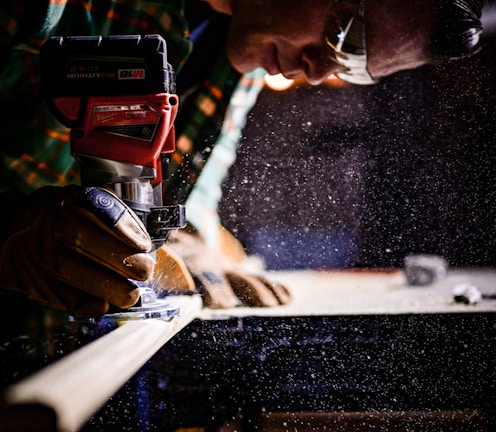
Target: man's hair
{"points": [[457, 29]]}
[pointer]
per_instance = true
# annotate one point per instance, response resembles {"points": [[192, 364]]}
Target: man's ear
{"points": [[222, 6]]}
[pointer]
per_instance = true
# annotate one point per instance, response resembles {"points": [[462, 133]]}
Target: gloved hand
{"points": [[220, 273], [73, 249]]}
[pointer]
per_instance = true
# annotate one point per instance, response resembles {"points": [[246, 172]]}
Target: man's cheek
{"points": [[241, 51]]}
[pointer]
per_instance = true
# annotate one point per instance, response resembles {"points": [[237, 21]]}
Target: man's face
{"points": [[287, 36], [282, 36]]}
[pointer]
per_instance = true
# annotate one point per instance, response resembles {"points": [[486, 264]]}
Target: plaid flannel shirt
{"points": [[34, 146]]}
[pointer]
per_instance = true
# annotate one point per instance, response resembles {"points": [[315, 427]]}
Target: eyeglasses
{"points": [[345, 37]]}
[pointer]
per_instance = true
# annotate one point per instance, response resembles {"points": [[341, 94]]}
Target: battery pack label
{"points": [[131, 74], [133, 121]]}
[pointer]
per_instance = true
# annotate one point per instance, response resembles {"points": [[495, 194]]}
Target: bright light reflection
{"points": [[277, 82]]}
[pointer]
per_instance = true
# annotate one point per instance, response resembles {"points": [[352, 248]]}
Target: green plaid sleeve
{"points": [[34, 148]]}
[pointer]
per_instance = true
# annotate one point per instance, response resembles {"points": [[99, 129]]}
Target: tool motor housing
{"points": [[117, 95]]}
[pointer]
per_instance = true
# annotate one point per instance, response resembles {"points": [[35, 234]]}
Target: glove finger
{"points": [[279, 290], [230, 245], [108, 212], [251, 291], [217, 292], [171, 273], [87, 239], [79, 273]]}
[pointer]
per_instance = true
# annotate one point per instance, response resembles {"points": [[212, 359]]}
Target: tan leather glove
{"points": [[219, 273], [74, 249]]}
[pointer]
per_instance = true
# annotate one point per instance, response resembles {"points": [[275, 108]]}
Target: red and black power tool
{"points": [[117, 95]]}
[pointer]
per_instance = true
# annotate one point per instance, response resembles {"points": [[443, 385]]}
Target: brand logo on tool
{"points": [[131, 74]]}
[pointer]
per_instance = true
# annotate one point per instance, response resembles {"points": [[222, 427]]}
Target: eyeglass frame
{"points": [[354, 61]]}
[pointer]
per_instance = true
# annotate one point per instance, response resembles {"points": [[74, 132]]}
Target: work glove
{"points": [[224, 275], [73, 249]]}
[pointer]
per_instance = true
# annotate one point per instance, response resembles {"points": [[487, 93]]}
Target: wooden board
{"points": [[76, 386]]}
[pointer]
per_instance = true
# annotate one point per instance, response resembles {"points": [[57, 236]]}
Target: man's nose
{"points": [[317, 66]]}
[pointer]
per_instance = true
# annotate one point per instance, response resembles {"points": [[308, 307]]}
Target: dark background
{"points": [[362, 176]]}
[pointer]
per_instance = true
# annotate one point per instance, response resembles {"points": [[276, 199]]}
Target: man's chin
{"points": [[239, 61], [384, 69]]}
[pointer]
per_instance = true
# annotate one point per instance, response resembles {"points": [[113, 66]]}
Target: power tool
{"points": [[117, 96]]}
